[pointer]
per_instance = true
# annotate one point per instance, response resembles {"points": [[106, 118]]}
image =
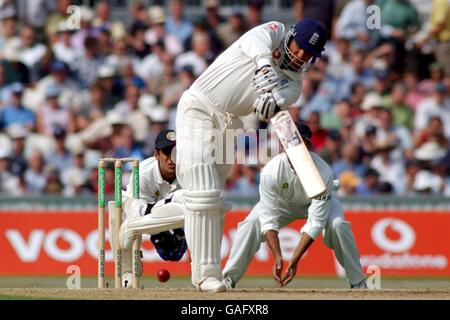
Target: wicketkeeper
{"points": [[282, 201], [157, 212]]}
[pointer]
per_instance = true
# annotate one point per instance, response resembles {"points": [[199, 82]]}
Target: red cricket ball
{"points": [[163, 275]]}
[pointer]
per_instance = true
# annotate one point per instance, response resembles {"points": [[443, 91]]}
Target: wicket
{"points": [[118, 168]]}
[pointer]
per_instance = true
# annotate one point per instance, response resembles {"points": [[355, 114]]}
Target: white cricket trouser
{"points": [[199, 133], [337, 236]]}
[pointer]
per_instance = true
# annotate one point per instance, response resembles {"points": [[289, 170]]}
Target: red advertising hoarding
{"points": [[401, 243]]}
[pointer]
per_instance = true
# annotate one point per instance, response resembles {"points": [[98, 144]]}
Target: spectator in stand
{"points": [[92, 106], [31, 51], [336, 117], [331, 150], [61, 77], [177, 24], [350, 161], [138, 45], [213, 17], [129, 109], [18, 135], [152, 66], [371, 106], [413, 95], [436, 70], [128, 77], [247, 184], [159, 120], [319, 134], [110, 86], [9, 183], [62, 47], [138, 12], [436, 105], [427, 178], [53, 115], [356, 72], [15, 70], [120, 55], [87, 64], [210, 24], [440, 30], [8, 28], [103, 20], [399, 20], [390, 168], [349, 181], [352, 24], [123, 144], [35, 13], [158, 32], [130, 103], [255, 10], [86, 17], [358, 93], [35, 176], [371, 183], [60, 15], [434, 131], [200, 26], [233, 29], [197, 58], [400, 135], [403, 113], [61, 158], [322, 10], [15, 112], [172, 92], [382, 84]]}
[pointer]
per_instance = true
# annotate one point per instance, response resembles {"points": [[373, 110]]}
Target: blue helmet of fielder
{"points": [[309, 35], [170, 245]]}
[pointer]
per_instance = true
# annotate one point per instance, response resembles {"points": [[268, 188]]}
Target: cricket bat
{"points": [[298, 154]]}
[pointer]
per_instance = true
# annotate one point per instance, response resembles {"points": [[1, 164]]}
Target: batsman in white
{"points": [[261, 73], [282, 201], [157, 212]]}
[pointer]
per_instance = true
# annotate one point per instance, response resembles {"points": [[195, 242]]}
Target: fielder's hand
{"points": [[290, 273], [265, 79], [265, 106], [277, 269]]}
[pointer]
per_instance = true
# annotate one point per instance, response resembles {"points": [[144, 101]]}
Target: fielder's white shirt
{"points": [[152, 187], [283, 197], [226, 83]]}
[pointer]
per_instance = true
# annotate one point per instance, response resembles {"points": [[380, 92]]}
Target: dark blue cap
{"points": [[311, 36], [165, 138], [58, 65]]}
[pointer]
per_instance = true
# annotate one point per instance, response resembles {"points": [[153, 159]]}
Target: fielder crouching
{"points": [[283, 201]]}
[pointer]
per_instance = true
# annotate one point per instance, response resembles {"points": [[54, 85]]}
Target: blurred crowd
{"points": [[378, 103]]}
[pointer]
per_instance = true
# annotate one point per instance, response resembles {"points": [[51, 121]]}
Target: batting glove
{"points": [[265, 79], [265, 106]]}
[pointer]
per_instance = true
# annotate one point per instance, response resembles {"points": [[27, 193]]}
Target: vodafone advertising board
{"points": [[401, 243]]}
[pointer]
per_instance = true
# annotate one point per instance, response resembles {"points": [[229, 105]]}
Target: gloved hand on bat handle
{"points": [[265, 79], [265, 106]]}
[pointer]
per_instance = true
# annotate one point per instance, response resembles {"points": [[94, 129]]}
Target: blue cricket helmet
{"points": [[311, 36]]}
